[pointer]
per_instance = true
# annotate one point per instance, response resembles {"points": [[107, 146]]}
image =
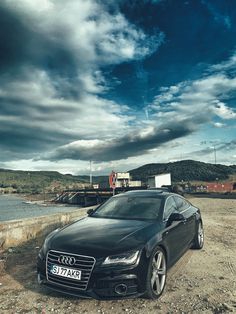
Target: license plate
{"points": [[66, 272]]}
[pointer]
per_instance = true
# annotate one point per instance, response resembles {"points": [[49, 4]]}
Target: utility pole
{"points": [[215, 153], [214, 149], [91, 177]]}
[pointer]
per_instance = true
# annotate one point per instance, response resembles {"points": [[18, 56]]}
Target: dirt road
{"points": [[201, 282]]}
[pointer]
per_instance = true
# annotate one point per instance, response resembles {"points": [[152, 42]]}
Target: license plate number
{"points": [[66, 272]]}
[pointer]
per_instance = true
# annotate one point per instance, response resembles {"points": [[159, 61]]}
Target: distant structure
{"points": [[159, 180], [220, 187], [123, 179], [95, 186], [212, 187]]}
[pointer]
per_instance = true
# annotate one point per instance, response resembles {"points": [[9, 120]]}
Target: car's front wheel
{"points": [[156, 275], [199, 237]]}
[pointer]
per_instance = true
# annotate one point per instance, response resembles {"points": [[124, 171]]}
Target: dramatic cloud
{"points": [[82, 81], [178, 111], [124, 147], [51, 84]]}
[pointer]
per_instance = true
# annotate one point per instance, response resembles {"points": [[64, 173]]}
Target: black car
{"points": [[123, 248]]}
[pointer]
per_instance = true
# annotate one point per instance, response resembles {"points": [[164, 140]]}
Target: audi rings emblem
{"points": [[66, 260]]}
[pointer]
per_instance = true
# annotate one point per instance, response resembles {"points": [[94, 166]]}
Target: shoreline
{"points": [[19, 206]]}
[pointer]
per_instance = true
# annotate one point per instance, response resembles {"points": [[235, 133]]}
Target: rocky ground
{"points": [[201, 282]]}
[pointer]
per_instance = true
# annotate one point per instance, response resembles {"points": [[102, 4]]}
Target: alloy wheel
{"points": [[158, 276], [200, 235]]}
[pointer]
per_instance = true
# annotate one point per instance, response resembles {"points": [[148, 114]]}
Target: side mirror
{"points": [[90, 211], [176, 217]]}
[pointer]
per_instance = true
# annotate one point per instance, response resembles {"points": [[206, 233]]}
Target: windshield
{"points": [[130, 207]]}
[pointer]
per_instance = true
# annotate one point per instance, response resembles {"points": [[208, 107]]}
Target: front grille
{"points": [[83, 263]]}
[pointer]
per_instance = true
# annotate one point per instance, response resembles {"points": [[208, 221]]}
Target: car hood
{"points": [[100, 237]]}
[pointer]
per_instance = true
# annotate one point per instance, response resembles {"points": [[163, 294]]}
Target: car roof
{"points": [[159, 193]]}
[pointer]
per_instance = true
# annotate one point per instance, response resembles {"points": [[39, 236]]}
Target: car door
{"points": [[185, 208], [174, 234]]}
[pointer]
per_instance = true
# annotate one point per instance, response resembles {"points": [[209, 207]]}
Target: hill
{"points": [[40, 181], [186, 170], [53, 181]]}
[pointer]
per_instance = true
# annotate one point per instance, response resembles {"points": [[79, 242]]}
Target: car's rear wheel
{"points": [[156, 276], [199, 237]]}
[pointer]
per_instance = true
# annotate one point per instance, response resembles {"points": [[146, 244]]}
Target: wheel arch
{"points": [[150, 249], [165, 252]]}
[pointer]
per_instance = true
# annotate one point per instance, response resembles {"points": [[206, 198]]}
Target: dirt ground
{"points": [[201, 282]]}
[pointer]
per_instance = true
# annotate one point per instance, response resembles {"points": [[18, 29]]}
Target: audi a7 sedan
{"points": [[123, 248]]}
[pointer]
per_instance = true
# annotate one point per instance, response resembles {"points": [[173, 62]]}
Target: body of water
{"points": [[16, 207]]}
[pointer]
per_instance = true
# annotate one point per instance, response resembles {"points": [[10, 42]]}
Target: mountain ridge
{"points": [[186, 170]]}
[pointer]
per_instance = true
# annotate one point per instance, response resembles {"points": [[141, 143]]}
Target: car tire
{"points": [[199, 237], [156, 274]]}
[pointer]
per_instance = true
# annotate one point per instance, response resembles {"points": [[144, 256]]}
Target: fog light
{"points": [[121, 289]]}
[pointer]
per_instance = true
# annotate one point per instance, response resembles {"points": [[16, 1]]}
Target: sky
{"points": [[122, 83]]}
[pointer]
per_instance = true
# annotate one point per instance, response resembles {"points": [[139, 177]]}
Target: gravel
{"points": [[200, 282]]}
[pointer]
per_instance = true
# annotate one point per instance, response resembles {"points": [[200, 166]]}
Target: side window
{"points": [[181, 203], [170, 207]]}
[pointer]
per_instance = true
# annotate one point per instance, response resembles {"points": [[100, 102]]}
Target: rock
{"points": [[227, 307]]}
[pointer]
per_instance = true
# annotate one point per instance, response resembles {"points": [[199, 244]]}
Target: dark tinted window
{"points": [[130, 207], [181, 203], [170, 207]]}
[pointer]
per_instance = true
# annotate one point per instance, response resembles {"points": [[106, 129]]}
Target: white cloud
{"points": [[219, 125], [225, 65], [199, 100], [223, 111], [64, 166], [87, 29]]}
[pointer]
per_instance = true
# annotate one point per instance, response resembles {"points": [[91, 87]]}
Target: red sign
{"points": [[112, 180]]}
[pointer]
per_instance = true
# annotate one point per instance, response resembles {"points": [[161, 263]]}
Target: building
{"points": [[123, 179], [95, 186], [159, 180]]}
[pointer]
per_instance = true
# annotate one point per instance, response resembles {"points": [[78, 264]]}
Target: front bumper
{"points": [[105, 282]]}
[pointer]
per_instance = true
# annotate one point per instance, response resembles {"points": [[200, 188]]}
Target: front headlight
{"points": [[127, 258]]}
